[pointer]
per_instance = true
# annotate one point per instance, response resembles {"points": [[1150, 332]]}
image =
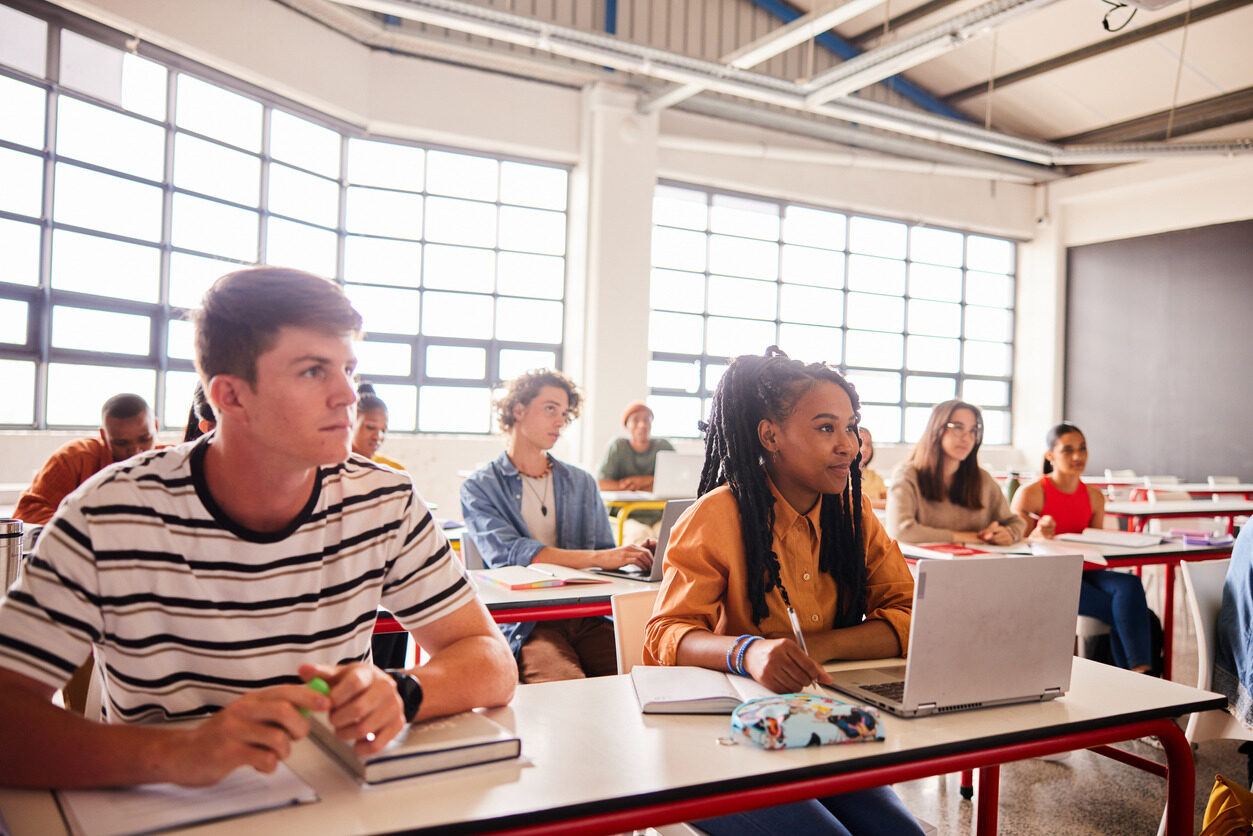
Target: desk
{"points": [[599, 766], [1137, 513], [1242, 490], [628, 502]]}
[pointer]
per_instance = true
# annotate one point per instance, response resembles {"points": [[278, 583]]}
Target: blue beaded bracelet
{"points": [[731, 651], [739, 659]]}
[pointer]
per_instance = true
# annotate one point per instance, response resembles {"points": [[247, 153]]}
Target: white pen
{"points": [[543, 572], [796, 629]]}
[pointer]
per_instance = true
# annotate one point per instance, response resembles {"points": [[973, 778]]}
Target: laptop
{"points": [[674, 509], [676, 475], [986, 631]]}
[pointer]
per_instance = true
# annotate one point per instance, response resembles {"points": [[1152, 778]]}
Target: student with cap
{"points": [[629, 466]]}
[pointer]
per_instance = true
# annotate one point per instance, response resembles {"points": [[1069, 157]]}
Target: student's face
{"points": [[128, 436], [301, 407], [811, 451], [1069, 454], [370, 431], [640, 426], [960, 437], [541, 421], [867, 447]]}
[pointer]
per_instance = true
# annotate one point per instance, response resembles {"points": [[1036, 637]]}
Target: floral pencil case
{"points": [[792, 721]]}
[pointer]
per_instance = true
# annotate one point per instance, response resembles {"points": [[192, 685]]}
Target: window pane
{"points": [[881, 387], [459, 268], [460, 222], [89, 330], [20, 244], [456, 361], [916, 418], [932, 354], [667, 375], [680, 207], [679, 249], [379, 212], [675, 416], [989, 289], [454, 409], [387, 164], [382, 261], [874, 312], [117, 77], [992, 255], [385, 310], [22, 109], [815, 227], [878, 275], [923, 389], [516, 361], [811, 304], [303, 196], [532, 230], [304, 247], [106, 138], [677, 333], [457, 315], [191, 275], [110, 204], [462, 175], [378, 358], [677, 291], [21, 182], [995, 426], [742, 216], [732, 337], [992, 359], [76, 393], [179, 388], [807, 265], [89, 264], [875, 350], [811, 343], [180, 341], [713, 373], [302, 143], [13, 321], [940, 283], [743, 257], [17, 377], [986, 392], [214, 228], [743, 297], [523, 274], [213, 169], [533, 185], [935, 246], [884, 422], [526, 320], [218, 113], [402, 408], [872, 237], [937, 319], [23, 41], [989, 323]]}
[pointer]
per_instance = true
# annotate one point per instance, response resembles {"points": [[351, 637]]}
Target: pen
{"points": [[1032, 515], [542, 572], [796, 629]]}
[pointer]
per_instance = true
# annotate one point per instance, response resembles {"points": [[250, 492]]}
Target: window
{"points": [[912, 315], [162, 175]]}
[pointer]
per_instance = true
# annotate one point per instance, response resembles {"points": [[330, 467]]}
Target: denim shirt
{"points": [[1233, 658], [491, 504]]}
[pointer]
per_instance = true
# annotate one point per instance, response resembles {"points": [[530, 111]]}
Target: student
{"points": [[1233, 657], [872, 485], [200, 419], [370, 428], [781, 523], [527, 506], [940, 494], [629, 466], [1063, 504], [127, 427], [272, 553]]}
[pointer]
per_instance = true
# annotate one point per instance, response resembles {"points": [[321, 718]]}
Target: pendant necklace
{"points": [[543, 499]]}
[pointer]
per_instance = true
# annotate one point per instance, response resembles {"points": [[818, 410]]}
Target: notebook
{"points": [[690, 690], [1108, 537], [985, 632], [674, 510], [535, 576]]}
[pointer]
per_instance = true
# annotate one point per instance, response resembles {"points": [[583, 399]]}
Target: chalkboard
{"points": [[1159, 352]]}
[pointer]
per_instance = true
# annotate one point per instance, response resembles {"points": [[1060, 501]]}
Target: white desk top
{"points": [[1170, 548], [1172, 508], [585, 743], [496, 597], [1201, 487]]}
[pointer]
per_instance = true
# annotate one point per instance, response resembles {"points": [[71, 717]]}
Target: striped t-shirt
{"points": [[187, 609]]}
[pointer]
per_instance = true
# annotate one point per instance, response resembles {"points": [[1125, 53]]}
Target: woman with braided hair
{"points": [[780, 532]]}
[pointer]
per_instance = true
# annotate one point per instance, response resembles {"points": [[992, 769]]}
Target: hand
{"points": [[782, 666], [996, 534], [365, 705], [624, 556], [632, 483], [1046, 526], [256, 729]]}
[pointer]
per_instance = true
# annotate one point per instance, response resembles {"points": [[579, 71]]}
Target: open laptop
{"points": [[676, 475], [986, 631], [674, 509]]}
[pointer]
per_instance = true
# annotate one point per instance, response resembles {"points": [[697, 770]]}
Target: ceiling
{"points": [[1031, 89]]}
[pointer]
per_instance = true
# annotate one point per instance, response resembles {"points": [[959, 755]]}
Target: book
{"points": [[1092, 559], [532, 577], [1107, 537], [690, 690], [438, 745]]}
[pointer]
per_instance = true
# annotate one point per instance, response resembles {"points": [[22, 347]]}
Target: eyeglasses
{"points": [[961, 429]]}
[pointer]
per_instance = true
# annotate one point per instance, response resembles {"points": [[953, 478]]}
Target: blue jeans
{"points": [[1118, 599], [873, 812]]}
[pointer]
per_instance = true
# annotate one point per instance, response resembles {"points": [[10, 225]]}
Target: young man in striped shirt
{"points": [[212, 579]]}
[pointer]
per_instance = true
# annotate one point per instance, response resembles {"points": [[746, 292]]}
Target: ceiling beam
{"points": [[1191, 118], [861, 39]]}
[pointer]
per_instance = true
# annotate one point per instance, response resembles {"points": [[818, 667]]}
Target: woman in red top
{"points": [[1061, 504]]}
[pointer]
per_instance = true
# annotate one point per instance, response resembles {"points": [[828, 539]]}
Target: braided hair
{"points": [[768, 387]]}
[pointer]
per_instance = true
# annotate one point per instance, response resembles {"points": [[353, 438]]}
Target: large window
{"points": [[913, 315], [129, 183]]}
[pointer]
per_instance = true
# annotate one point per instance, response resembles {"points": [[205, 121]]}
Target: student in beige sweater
{"points": [[940, 494]]}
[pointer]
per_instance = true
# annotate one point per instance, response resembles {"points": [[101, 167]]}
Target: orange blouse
{"points": [[705, 585]]}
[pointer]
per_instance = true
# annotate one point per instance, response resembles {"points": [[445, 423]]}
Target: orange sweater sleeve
{"points": [[65, 470]]}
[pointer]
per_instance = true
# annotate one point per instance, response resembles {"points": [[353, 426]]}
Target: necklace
{"points": [[543, 499]]}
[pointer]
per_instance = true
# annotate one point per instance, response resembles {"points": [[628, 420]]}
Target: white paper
{"points": [[1106, 537]]}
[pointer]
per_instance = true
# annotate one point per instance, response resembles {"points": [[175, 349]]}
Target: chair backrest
{"points": [[1150, 481], [1119, 474], [1169, 496], [470, 555], [631, 611], [1224, 480], [1203, 593]]}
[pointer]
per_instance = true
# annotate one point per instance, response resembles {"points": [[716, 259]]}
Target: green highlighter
{"points": [[318, 684]]}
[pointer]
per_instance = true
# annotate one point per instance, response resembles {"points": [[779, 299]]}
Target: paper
{"points": [[153, 807], [1106, 537]]}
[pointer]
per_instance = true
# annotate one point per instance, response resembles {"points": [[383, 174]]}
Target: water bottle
{"points": [[1011, 485], [10, 551]]}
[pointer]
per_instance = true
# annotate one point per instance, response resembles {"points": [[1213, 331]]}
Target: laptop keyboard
{"points": [[894, 691]]}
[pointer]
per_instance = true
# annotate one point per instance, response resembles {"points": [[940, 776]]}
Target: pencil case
{"points": [[793, 721]]}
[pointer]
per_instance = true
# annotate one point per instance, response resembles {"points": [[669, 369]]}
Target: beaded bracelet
{"points": [[731, 651], [739, 659]]}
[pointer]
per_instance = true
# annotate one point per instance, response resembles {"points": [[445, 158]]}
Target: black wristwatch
{"points": [[410, 691]]}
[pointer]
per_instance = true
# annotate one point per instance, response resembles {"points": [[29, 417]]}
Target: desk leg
{"points": [[986, 800], [967, 787], [1180, 780], [1168, 620]]}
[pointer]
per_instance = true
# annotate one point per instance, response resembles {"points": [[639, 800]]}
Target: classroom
{"points": [[634, 191]]}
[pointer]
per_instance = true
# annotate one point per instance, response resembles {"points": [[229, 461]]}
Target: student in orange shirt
{"points": [[781, 523]]}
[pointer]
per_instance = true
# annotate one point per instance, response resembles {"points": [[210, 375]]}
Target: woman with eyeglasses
{"points": [[941, 495]]}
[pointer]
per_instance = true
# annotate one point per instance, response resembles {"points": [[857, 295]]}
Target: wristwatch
{"points": [[410, 690]]}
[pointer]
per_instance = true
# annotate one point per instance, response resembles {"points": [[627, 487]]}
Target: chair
{"points": [[1088, 628], [1223, 480], [631, 611], [470, 554], [1150, 481], [1118, 492]]}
